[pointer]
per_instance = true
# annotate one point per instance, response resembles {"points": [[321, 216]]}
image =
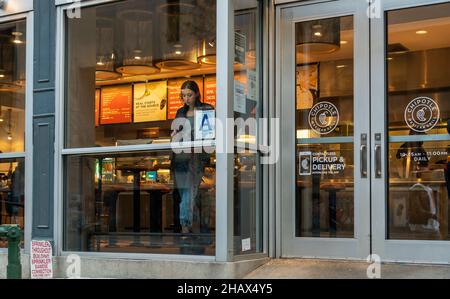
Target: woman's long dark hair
{"points": [[192, 85]]}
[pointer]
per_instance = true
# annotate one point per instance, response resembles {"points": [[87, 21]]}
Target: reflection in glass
{"points": [[248, 197], [324, 80], [126, 62], [324, 204], [12, 193], [247, 204], [418, 193], [13, 42], [130, 203], [418, 67], [325, 191]]}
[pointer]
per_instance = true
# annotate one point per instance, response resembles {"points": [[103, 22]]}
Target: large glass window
{"points": [[126, 64], [137, 202], [12, 123], [418, 64], [140, 73]]}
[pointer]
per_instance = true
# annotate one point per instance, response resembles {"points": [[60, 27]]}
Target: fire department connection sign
{"points": [[41, 260]]}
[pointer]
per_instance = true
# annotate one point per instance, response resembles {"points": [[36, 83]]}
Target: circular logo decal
{"points": [[323, 118], [422, 114]]}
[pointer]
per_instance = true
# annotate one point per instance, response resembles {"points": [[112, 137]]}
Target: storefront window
{"points": [[13, 41], [248, 214], [12, 194], [136, 203], [12, 86], [324, 127], [141, 73], [126, 64], [418, 64]]}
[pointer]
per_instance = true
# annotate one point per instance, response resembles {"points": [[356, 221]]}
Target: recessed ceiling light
{"points": [[390, 58], [344, 42], [421, 32], [341, 66]]}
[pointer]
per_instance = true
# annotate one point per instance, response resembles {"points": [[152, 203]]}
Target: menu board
{"points": [[97, 106], [210, 91], [116, 105], [150, 101], [174, 94]]}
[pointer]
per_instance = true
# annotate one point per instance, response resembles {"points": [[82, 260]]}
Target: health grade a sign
{"points": [[320, 163], [205, 124], [41, 260]]}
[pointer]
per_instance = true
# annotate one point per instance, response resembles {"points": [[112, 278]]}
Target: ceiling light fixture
{"points": [[137, 59], [421, 32], [320, 36], [207, 51]]}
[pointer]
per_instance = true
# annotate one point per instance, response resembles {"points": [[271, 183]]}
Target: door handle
{"points": [[378, 170], [363, 155]]}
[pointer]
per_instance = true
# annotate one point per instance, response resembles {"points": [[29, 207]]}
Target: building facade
{"points": [[200, 138]]}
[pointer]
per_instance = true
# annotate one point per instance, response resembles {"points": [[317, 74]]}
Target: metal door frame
{"points": [[287, 244], [416, 251]]}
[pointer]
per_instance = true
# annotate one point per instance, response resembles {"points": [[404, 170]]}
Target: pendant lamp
{"points": [[318, 36], [137, 58], [106, 58], [179, 45]]}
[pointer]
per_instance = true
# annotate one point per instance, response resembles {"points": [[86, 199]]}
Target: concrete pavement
{"points": [[321, 269]]}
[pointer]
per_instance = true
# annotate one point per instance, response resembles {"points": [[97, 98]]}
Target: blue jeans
{"points": [[188, 178]]}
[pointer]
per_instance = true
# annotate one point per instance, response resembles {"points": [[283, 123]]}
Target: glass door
{"points": [[323, 96], [411, 92]]}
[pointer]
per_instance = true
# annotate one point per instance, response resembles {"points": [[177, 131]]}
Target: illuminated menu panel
{"points": [[210, 90], [174, 94], [97, 106], [116, 105], [150, 101]]}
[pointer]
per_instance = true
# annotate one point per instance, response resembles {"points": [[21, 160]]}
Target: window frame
{"points": [[224, 110], [25, 13]]}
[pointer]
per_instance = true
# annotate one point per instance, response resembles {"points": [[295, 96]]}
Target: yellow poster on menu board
{"points": [[150, 101]]}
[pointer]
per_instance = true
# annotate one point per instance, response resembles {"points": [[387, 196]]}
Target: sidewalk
{"points": [[307, 269]]}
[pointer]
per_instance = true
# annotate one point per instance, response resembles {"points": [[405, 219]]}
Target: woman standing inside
{"points": [[188, 167]]}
